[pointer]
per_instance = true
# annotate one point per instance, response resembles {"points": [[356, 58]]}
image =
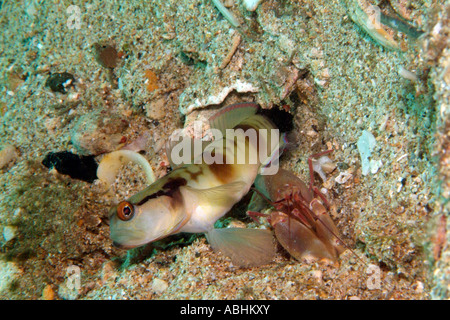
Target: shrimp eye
{"points": [[125, 211]]}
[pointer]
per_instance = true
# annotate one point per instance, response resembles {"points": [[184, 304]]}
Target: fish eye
{"points": [[125, 211]]}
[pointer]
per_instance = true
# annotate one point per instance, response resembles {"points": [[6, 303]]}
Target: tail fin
{"points": [[245, 247]]}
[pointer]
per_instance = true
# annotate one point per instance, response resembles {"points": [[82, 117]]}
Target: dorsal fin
{"points": [[230, 116], [226, 118]]}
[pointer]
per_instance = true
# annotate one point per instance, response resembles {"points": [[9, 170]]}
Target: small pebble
{"points": [[9, 233], [152, 80], [159, 286], [97, 133], [317, 274], [48, 293], [156, 109], [108, 271], [7, 155]]}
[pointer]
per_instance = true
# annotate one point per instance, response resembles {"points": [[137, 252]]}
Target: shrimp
{"points": [[300, 218]]}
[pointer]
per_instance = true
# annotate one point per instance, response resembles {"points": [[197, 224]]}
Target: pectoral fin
{"points": [[245, 247], [257, 202]]}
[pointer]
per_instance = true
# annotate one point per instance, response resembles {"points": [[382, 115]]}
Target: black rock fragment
{"points": [[59, 82], [77, 167]]}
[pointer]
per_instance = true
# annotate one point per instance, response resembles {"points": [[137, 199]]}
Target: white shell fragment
{"points": [[366, 143], [251, 5], [323, 165], [343, 177], [375, 165], [112, 162], [407, 74], [218, 98]]}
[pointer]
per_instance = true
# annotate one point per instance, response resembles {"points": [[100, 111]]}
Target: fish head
{"points": [[135, 224]]}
